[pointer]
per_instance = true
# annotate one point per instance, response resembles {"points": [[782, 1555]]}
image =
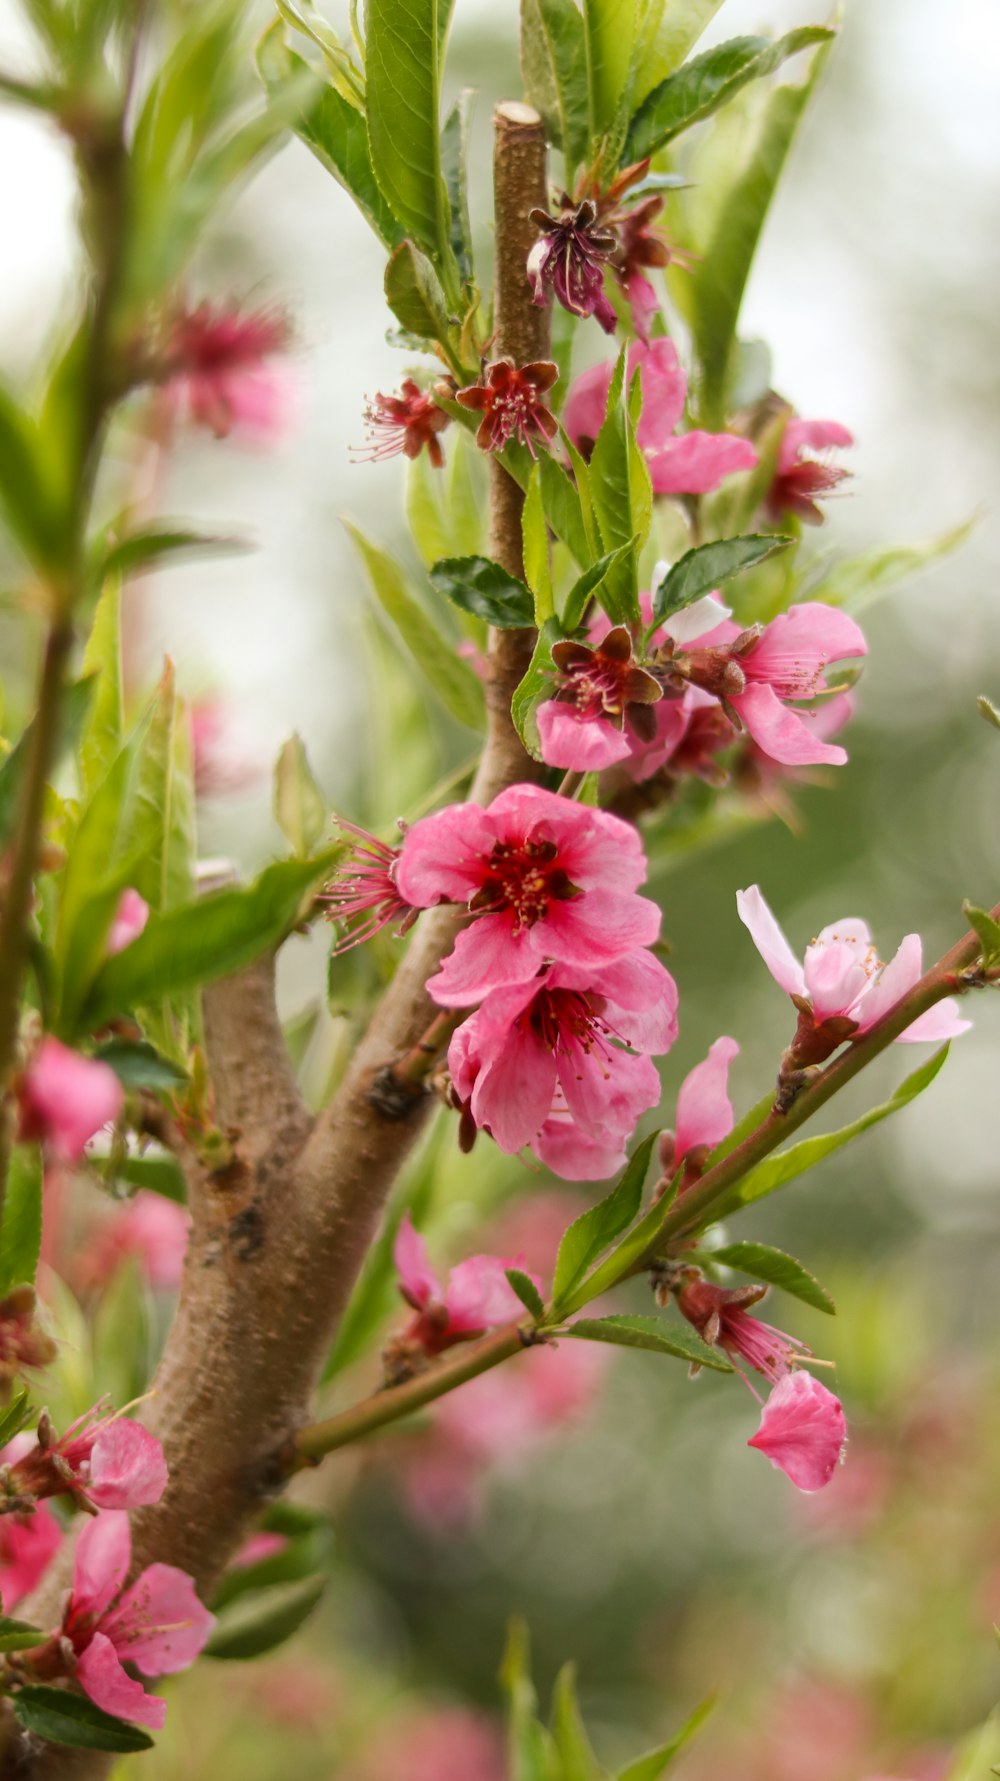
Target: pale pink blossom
{"points": [[704, 1111], [691, 463], [65, 1098], [842, 978], [222, 760], [802, 1431], [545, 878], [28, 1542], [759, 775], [158, 1624], [150, 1228], [557, 1043], [130, 918], [476, 1297], [800, 478], [228, 372], [106, 1460]]}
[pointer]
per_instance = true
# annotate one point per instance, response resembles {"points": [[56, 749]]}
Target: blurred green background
{"points": [[848, 1636]]}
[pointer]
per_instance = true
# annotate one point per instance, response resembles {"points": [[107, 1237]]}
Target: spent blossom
{"points": [[691, 463], [802, 1431], [158, 1624], [128, 922], [509, 398], [603, 699], [800, 478], [569, 259], [544, 878], [364, 894], [103, 1461], [721, 1317], [65, 1098], [842, 988], [226, 368], [407, 423], [476, 1297], [23, 1343]]}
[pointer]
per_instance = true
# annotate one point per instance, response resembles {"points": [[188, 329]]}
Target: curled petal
{"points": [[409, 1253], [802, 1431], [781, 733], [101, 1676], [698, 619], [704, 1110], [770, 941], [800, 435]]}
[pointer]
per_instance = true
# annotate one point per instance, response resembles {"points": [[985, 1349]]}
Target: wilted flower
{"points": [[569, 258], [65, 1098], [405, 423], [799, 477], [23, 1344], [802, 1431], [510, 401], [603, 699], [366, 887], [720, 1316]]}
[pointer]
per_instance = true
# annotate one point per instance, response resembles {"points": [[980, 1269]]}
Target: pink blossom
{"points": [[405, 423], [151, 1228], [158, 1624], [108, 1461], [366, 887], [604, 704], [720, 1316], [556, 1043], [477, 1295], [221, 761], [433, 1744], [704, 1111], [28, 1543], [802, 1431], [130, 918], [799, 477], [66, 1098], [258, 1547], [691, 463], [222, 365], [842, 978], [545, 878]]}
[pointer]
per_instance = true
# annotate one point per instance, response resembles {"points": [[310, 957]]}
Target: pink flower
{"points": [[221, 366], [509, 398], [158, 1624], [477, 1296], [221, 759], [799, 478], [405, 423], [604, 700], [556, 1043], [802, 1431], [65, 1098], [259, 1546], [431, 1744], [151, 1228], [130, 918], [545, 878], [28, 1544], [842, 979], [690, 463], [569, 258], [366, 887], [575, 1155], [704, 1111], [720, 1316], [107, 1461], [758, 775]]}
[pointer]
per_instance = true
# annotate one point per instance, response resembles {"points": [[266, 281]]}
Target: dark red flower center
{"points": [[524, 877]]}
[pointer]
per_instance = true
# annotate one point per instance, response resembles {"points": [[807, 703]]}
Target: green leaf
{"points": [[987, 709], [535, 537], [138, 1064], [630, 1331], [160, 1173], [701, 570], [25, 500], [776, 1171], [609, 35], [706, 82], [536, 686], [718, 281], [162, 545], [588, 583], [613, 477], [75, 705], [554, 68], [454, 168], [452, 679], [158, 817], [630, 1251], [402, 76], [478, 585], [856, 582], [678, 29], [103, 730], [573, 1746], [532, 1756], [778, 1269], [309, 1550], [988, 931], [334, 130], [21, 1221], [656, 1763], [527, 1292], [257, 1622], [64, 1718], [206, 940], [589, 1235], [413, 293], [564, 507], [15, 1415], [17, 1635], [299, 805]]}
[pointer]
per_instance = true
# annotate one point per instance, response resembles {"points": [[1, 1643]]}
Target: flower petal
{"points": [[442, 856], [770, 941], [802, 1431], [100, 1563], [479, 1295], [487, 955], [696, 463], [704, 1110], [101, 1676], [578, 1156], [799, 644], [159, 1624], [127, 1466], [584, 744], [409, 1254], [783, 734]]}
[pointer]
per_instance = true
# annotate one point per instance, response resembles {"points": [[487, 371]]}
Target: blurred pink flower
{"points": [[690, 463], [802, 1431], [259, 1546], [65, 1098], [433, 1744], [227, 371], [222, 763], [799, 477], [477, 1295], [28, 1542], [130, 918], [151, 1228]]}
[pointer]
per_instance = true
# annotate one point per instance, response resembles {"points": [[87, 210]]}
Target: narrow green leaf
{"points": [[855, 583], [656, 1763], [527, 1292], [25, 501], [15, 1415], [480, 586], [75, 706], [591, 1233], [609, 35], [658, 1335], [21, 1223], [988, 931], [679, 27], [565, 510], [138, 1064], [206, 940], [587, 584], [701, 570], [452, 679], [619, 1264], [454, 168], [64, 1718], [257, 1623], [162, 545], [554, 68], [535, 541], [103, 730], [778, 1269], [988, 710], [611, 486], [532, 1755], [536, 686], [160, 1173], [402, 87], [17, 1635], [706, 82], [573, 1747], [413, 293], [300, 809]]}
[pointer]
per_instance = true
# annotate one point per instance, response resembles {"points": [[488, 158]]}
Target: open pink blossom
{"points": [[800, 478], [704, 1111], [842, 978], [65, 1098], [130, 918], [150, 1228], [477, 1295], [545, 878], [28, 1543], [558, 1042], [158, 1624], [802, 1431], [108, 1461], [603, 700], [227, 369], [691, 463]]}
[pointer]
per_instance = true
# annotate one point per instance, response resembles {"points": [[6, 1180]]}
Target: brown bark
{"points": [[280, 1234]]}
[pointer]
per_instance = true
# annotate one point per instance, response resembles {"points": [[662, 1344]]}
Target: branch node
{"points": [[392, 1097]]}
